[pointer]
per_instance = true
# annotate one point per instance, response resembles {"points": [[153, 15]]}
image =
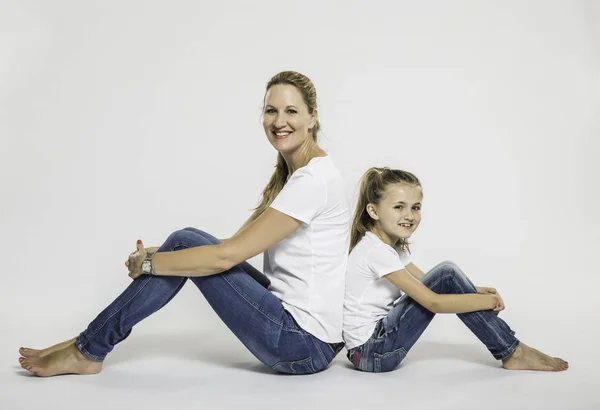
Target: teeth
{"points": [[281, 134]]}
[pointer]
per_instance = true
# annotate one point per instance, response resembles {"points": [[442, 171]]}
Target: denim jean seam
{"points": [[314, 340], [252, 303], [112, 314], [378, 356], [307, 361]]}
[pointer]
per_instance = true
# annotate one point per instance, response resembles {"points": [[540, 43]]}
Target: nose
{"points": [[280, 121], [408, 216]]}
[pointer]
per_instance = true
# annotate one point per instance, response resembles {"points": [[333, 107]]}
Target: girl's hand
{"points": [[134, 262], [499, 302], [485, 289]]}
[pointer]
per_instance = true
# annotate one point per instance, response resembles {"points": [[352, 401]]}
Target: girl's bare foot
{"points": [[527, 358], [68, 360], [27, 352]]}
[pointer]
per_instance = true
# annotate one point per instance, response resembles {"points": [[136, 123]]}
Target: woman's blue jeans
{"points": [[252, 313], [395, 334]]}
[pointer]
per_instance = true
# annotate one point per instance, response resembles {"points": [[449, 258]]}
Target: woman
{"points": [[378, 335], [302, 225]]}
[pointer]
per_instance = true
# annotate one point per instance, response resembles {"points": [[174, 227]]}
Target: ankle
{"points": [[76, 352], [516, 354]]}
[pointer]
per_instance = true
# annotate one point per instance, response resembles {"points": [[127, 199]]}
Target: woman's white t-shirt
{"points": [[307, 269], [369, 296]]}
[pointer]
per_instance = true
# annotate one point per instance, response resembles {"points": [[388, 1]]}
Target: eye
{"points": [[398, 207], [417, 208], [270, 111], [292, 111]]}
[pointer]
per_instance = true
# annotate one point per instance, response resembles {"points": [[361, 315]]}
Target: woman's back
{"points": [[307, 268]]}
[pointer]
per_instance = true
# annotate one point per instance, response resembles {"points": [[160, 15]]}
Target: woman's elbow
{"points": [[227, 258]]}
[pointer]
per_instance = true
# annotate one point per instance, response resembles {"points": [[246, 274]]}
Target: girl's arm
{"points": [[256, 237], [405, 280], [415, 271], [418, 273]]}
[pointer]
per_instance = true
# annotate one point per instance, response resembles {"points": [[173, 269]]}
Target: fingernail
{"points": [[139, 241]]}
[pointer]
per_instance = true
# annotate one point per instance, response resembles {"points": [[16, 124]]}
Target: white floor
{"points": [[162, 367]]}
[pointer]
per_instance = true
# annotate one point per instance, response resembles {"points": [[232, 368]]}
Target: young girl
{"points": [[303, 221], [378, 335]]}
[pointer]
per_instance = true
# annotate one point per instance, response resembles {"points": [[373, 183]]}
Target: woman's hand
{"points": [[134, 262], [499, 302]]}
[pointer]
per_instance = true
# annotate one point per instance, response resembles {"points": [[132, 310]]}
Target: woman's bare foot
{"points": [[27, 352], [68, 360], [527, 358]]}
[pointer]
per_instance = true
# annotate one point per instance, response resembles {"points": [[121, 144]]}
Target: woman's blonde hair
{"points": [[280, 175], [372, 187]]}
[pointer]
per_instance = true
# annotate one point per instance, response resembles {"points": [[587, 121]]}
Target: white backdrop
{"points": [[122, 120]]}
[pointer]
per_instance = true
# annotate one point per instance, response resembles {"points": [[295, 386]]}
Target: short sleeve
{"points": [[383, 260], [303, 197], [405, 257]]}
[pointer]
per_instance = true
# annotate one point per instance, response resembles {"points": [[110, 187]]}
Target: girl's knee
{"points": [[446, 267], [451, 269]]}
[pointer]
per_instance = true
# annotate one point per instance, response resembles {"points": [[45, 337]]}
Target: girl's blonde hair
{"points": [[372, 187], [280, 175]]}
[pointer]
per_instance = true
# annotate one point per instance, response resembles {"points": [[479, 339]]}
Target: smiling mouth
{"points": [[408, 226], [281, 134]]}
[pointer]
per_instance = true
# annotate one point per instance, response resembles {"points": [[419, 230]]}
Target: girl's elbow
{"points": [[433, 306]]}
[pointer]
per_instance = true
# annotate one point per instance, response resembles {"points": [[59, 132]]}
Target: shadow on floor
{"points": [[427, 350], [201, 346]]}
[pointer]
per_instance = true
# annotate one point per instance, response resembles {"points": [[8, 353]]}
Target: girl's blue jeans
{"points": [[252, 313], [395, 334]]}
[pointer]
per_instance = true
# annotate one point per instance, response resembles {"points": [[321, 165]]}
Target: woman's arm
{"points": [[241, 228], [404, 280], [256, 237]]}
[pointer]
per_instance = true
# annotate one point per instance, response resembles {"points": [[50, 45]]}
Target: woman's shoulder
{"points": [[321, 171]]}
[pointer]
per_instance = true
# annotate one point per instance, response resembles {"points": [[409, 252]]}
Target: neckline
{"points": [[372, 235], [309, 161]]}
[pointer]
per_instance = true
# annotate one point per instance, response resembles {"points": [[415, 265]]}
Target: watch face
{"points": [[146, 266]]}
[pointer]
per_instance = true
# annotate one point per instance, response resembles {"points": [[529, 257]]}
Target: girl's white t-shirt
{"points": [[369, 296], [307, 269]]}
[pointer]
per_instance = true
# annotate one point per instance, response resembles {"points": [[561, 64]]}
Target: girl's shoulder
{"points": [[370, 247]]}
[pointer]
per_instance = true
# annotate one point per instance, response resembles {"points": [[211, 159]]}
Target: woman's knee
{"points": [[186, 238]]}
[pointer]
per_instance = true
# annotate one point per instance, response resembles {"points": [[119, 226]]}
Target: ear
{"points": [[372, 211], [313, 119]]}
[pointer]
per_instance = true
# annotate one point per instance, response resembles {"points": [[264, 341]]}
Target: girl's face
{"points": [[398, 214], [286, 119]]}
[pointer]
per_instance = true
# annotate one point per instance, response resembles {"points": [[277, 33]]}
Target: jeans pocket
{"points": [[304, 366], [388, 361]]}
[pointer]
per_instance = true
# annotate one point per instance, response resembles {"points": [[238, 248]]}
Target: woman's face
{"points": [[398, 214], [286, 119]]}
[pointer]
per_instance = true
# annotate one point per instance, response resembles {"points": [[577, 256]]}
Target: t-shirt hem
{"points": [[292, 214], [308, 327], [362, 340]]}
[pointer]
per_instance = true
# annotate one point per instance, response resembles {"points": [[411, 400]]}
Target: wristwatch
{"points": [[147, 265]]}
